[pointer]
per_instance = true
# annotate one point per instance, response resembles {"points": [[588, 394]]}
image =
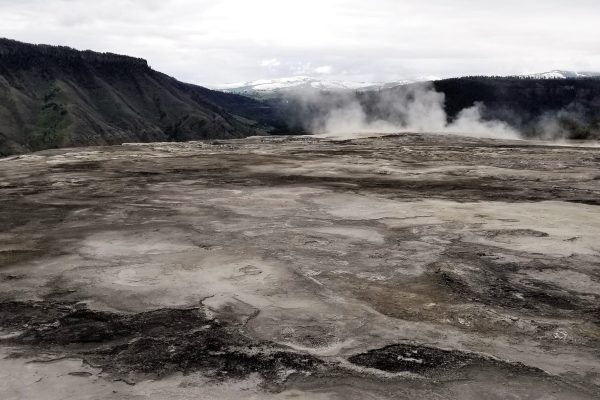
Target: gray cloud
{"points": [[217, 41]]}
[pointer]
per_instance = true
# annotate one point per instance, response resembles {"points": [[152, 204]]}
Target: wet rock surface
{"points": [[408, 266]]}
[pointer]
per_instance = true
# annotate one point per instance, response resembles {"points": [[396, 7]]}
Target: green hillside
{"points": [[57, 97]]}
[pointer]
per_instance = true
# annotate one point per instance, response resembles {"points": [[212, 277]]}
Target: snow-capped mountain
{"points": [[560, 74], [266, 87]]}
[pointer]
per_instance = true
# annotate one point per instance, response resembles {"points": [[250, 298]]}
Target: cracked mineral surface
{"points": [[397, 267]]}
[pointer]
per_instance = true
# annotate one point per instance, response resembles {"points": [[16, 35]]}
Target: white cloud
{"points": [[324, 70], [216, 41], [270, 63]]}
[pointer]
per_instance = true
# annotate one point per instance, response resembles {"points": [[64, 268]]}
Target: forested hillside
{"points": [[57, 96]]}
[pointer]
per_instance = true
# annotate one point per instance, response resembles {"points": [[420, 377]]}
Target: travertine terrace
{"points": [[405, 266]]}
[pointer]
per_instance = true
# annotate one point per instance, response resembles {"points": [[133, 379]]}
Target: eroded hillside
{"points": [[52, 97]]}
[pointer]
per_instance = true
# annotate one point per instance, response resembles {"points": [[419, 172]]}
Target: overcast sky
{"points": [[220, 41]]}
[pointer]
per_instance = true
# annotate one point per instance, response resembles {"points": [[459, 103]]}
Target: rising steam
{"points": [[410, 108]]}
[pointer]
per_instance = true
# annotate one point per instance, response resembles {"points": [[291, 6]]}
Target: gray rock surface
{"points": [[408, 266]]}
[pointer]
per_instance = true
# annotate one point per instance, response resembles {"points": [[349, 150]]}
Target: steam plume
{"points": [[410, 108]]}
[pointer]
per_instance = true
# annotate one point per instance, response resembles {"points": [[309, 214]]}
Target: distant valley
{"points": [[53, 97]]}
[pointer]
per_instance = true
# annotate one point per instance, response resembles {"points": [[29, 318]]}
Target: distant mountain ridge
{"points": [[269, 88], [272, 87], [562, 74], [54, 96], [20, 50]]}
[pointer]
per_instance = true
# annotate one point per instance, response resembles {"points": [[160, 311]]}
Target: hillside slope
{"points": [[57, 96], [537, 107]]}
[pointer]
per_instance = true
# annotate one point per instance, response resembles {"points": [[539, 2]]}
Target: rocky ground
{"points": [[408, 266]]}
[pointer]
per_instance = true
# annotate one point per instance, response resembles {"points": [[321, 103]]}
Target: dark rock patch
{"points": [[426, 360], [156, 342]]}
